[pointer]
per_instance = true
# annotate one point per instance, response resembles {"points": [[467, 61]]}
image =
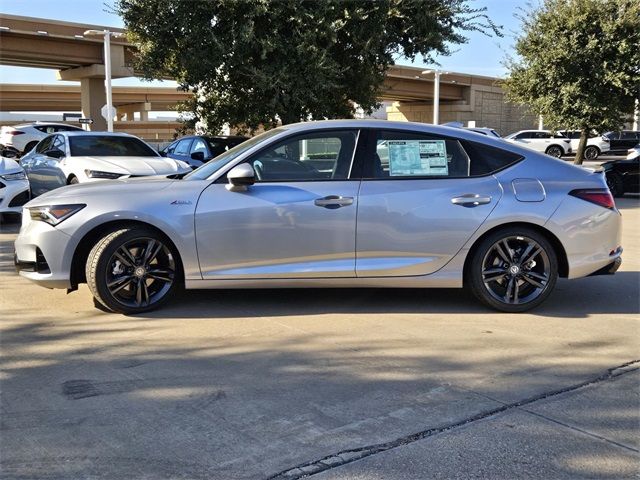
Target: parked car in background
{"points": [[596, 145], [76, 157], [545, 141], [198, 149], [484, 131], [14, 186], [24, 137], [623, 176], [450, 208], [620, 142]]}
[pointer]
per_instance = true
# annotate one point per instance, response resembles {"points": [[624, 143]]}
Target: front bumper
{"points": [[41, 254]]}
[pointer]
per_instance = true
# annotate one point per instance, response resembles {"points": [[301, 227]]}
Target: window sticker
{"points": [[417, 158]]}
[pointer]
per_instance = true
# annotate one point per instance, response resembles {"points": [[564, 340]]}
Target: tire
{"points": [[554, 151], [615, 184], [513, 286], [123, 279], [28, 147], [591, 152], [73, 180]]}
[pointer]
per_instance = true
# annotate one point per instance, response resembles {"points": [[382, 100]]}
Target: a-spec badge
{"points": [[181, 202]]}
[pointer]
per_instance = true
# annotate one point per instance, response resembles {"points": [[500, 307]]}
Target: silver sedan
{"points": [[343, 203]]}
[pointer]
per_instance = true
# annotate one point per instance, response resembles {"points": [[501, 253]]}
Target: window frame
{"points": [[281, 141], [370, 149]]}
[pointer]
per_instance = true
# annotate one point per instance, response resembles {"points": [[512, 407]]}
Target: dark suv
{"points": [[622, 141], [198, 149]]}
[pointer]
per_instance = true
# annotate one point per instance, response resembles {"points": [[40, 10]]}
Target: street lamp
{"points": [[107, 69], [436, 93]]}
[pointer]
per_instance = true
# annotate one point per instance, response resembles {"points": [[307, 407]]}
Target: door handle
{"points": [[333, 201], [471, 200]]}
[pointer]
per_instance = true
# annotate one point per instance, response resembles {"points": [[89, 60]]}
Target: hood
{"points": [[104, 188], [136, 166], [8, 165]]}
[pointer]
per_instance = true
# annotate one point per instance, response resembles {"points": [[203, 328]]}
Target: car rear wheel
{"points": [[554, 151], [513, 270], [615, 184], [591, 152], [132, 270]]}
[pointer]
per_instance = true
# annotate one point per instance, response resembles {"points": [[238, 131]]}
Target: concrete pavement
{"points": [[252, 384]]}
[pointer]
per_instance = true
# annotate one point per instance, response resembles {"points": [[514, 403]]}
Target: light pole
{"points": [[436, 93], [107, 70]]}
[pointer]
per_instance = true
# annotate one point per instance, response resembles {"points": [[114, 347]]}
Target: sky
{"points": [[481, 55]]}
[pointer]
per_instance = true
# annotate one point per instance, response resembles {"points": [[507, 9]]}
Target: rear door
{"points": [[422, 197]]}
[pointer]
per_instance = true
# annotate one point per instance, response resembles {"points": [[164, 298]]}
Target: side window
{"points": [[307, 157], [523, 135], [45, 144], [171, 147], [411, 154], [542, 135], [183, 147], [58, 143], [199, 146], [486, 160]]}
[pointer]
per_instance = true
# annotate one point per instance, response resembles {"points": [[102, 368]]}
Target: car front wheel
{"points": [[513, 270], [132, 270]]}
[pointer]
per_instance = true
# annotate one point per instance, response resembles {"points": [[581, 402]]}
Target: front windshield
{"points": [[206, 170], [109, 146]]}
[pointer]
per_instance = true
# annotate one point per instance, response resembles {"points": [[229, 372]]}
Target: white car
{"points": [[544, 141], [77, 157], [14, 186], [26, 136], [596, 145], [633, 153]]}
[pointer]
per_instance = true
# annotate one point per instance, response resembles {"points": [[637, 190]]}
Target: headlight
{"points": [[99, 174], [54, 214], [14, 176]]}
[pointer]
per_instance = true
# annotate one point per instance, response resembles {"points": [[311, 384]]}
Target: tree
{"points": [[253, 63], [579, 64]]}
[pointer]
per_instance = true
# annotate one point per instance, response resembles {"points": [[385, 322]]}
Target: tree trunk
{"points": [[584, 135]]}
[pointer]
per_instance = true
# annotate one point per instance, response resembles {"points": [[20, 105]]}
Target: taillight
{"points": [[599, 196], [14, 132]]}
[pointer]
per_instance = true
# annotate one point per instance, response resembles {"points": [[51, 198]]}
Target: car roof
{"points": [[44, 124], [213, 137]]}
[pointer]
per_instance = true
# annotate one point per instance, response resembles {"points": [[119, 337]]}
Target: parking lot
{"points": [[349, 383]]}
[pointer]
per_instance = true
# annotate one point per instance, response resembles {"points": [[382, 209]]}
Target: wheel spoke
{"points": [[124, 255], [527, 256], [151, 251], [119, 283], [529, 278], [505, 256], [493, 274], [139, 292], [516, 290], [509, 293], [162, 274]]}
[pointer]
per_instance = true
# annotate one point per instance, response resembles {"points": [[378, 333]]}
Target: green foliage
{"points": [[252, 62], [579, 63]]}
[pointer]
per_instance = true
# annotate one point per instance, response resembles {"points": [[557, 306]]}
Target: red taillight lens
{"points": [[599, 196], [15, 132]]}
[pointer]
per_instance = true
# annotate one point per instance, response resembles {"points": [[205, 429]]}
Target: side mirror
{"points": [[55, 153], [162, 153], [240, 177], [197, 156]]}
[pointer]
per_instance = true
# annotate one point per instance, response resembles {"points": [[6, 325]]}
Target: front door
{"points": [[421, 199], [297, 221]]}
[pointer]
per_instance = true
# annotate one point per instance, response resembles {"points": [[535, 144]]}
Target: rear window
{"points": [[109, 146]]}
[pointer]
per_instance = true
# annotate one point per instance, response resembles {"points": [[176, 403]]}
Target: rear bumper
{"points": [[609, 269]]}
